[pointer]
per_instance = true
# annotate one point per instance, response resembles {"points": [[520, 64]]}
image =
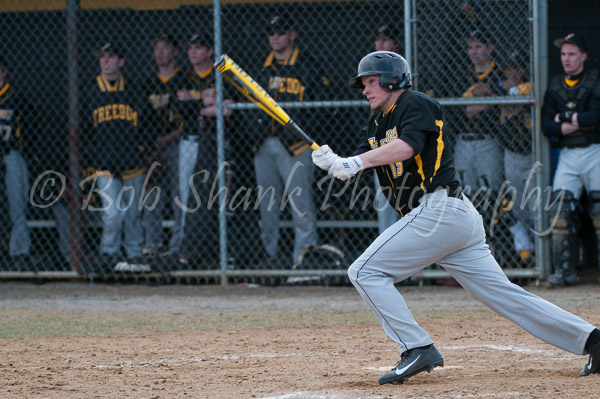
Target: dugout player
{"points": [[198, 153], [480, 133], [571, 116], [115, 141], [161, 91], [282, 162], [406, 143], [16, 173], [516, 139]]}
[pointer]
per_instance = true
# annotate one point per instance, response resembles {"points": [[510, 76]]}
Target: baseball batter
{"points": [[405, 142]]}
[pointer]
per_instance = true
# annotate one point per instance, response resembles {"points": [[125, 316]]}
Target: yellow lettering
{"points": [[101, 116], [122, 112]]}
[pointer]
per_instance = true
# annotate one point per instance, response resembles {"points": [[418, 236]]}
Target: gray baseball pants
{"points": [[17, 193], [449, 232], [578, 168], [279, 174]]}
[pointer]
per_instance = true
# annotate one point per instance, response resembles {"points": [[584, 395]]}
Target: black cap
{"points": [[516, 57], [278, 23], [478, 35], [387, 31], [201, 40], [112, 48], [3, 62], [572, 38], [166, 37]]}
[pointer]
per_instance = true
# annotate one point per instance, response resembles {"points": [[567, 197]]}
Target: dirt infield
{"points": [[79, 340]]}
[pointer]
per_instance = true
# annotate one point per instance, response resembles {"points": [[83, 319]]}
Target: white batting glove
{"points": [[324, 157], [345, 168]]}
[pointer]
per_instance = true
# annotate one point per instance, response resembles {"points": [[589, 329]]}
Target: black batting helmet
{"points": [[389, 65]]}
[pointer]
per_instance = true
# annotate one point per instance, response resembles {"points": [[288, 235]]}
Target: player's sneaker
{"points": [[593, 364], [414, 361]]}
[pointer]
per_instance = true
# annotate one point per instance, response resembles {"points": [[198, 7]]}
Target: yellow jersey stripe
{"points": [[440, 148]]}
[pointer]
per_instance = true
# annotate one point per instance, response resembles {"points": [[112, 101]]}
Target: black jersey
{"points": [[419, 121], [297, 78], [487, 121], [516, 123], [162, 95], [579, 94], [10, 118], [199, 86], [115, 135]]}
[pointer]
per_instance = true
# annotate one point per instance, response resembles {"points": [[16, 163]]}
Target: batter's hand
{"points": [[345, 168], [324, 157]]}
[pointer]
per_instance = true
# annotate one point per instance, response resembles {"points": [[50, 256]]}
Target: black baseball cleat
{"points": [[593, 364], [413, 362]]}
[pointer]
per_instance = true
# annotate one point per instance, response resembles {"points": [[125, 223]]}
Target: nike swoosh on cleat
{"points": [[403, 369]]}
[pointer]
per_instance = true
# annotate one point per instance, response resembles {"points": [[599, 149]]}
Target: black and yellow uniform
{"points": [[487, 121], [195, 126], [16, 175], [579, 94], [200, 241], [115, 134], [10, 118], [297, 78], [516, 123], [162, 95], [418, 120]]}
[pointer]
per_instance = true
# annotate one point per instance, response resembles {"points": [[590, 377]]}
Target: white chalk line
{"points": [[181, 360]]}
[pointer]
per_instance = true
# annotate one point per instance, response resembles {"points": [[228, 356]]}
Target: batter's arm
{"points": [[396, 151]]}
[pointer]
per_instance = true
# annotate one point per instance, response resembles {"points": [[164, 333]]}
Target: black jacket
{"points": [[115, 131], [298, 78]]}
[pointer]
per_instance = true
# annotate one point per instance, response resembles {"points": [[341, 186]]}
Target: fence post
{"points": [[220, 147], [76, 228], [542, 147]]}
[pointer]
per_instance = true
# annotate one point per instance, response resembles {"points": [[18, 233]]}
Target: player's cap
{"points": [[479, 35], [201, 40], [516, 57], [278, 24], [3, 62], [166, 37], [387, 32], [572, 38], [110, 47]]}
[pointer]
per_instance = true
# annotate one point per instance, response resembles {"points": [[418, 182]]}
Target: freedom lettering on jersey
{"points": [[200, 95], [159, 100], [390, 135], [286, 85], [113, 112]]}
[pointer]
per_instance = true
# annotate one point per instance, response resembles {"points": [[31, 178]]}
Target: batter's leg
{"points": [[416, 241], [479, 273]]}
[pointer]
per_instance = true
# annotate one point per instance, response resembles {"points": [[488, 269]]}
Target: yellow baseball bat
{"points": [[239, 79]]}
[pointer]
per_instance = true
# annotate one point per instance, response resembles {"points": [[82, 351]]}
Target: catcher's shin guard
{"points": [[594, 197], [565, 245]]}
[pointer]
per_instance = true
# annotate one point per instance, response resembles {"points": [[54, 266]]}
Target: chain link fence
{"points": [[168, 147]]}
